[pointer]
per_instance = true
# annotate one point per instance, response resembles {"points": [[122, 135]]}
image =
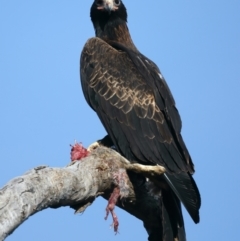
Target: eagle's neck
{"points": [[116, 31]]}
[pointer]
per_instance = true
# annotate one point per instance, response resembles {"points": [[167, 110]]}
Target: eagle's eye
{"points": [[99, 2], [117, 2]]}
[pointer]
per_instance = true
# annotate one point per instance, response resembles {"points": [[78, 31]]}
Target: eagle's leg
{"points": [[119, 192], [106, 141]]}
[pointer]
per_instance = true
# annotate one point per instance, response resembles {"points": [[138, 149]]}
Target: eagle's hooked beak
{"points": [[108, 5]]}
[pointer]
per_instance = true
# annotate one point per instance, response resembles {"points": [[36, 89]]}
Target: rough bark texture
{"points": [[77, 186]]}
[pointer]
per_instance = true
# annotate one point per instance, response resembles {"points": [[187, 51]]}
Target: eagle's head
{"points": [[104, 11]]}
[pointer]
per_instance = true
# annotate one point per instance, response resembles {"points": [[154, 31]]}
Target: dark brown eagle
{"points": [[132, 100]]}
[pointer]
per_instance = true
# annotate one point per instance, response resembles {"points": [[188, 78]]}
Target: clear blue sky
{"points": [[197, 47]]}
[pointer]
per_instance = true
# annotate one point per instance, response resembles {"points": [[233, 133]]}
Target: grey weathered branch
{"points": [[77, 185]]}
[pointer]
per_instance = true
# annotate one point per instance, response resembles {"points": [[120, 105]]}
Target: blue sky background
{"points": [[196, 44]]}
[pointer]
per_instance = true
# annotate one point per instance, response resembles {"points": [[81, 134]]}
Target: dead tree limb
{"points": [[77, 186]]}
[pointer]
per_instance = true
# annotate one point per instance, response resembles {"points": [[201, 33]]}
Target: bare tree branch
{"points": [[77, 186]]}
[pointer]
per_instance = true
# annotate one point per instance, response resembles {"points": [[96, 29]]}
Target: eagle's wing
{"points": [[138, 111]]}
